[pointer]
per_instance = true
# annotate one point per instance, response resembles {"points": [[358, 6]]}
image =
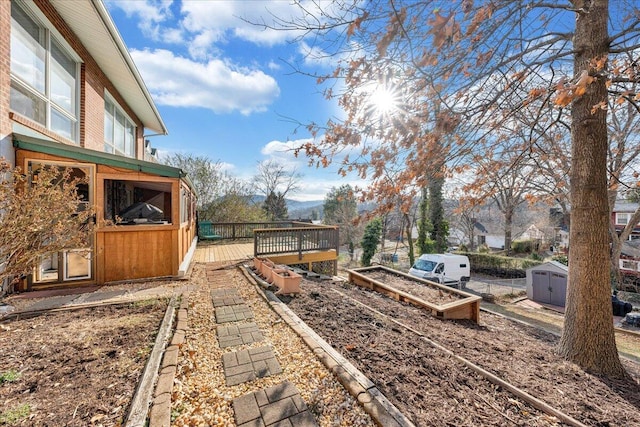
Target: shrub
{"points": [[524, 246], [535, 256], [500, 266], [370, 240], [562, 259], [41, 212]]}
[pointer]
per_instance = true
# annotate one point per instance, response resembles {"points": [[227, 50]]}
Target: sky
{"points": [[225, 88]]}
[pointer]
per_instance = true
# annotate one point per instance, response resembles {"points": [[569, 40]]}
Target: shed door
{"points": [[540, 284], [558, 288]]}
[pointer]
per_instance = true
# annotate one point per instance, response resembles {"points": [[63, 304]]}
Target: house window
{"points": [[119, 130], [44, 76], [187, 205], [628, 265], [622, 218], [137, 202]]}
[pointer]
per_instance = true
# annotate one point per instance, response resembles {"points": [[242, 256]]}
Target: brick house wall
{"points": [[6, 149]]}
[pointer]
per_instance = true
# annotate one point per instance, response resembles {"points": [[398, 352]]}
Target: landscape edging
{"points": [[374, 403], [157, 377]]}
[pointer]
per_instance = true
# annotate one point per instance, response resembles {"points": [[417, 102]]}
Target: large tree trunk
{"points": [[588, 336]]}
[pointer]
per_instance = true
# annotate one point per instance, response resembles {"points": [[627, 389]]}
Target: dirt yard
{"points": [[432, 389], [75, 368]]}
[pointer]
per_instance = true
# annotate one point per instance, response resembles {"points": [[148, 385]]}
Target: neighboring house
{"points": [[629, 262], [621, 214], [489, 234], [71, 95], [533, 232]]}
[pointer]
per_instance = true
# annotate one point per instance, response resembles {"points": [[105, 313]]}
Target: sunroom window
{"points": [[137, 202], [44, 76], [119, 130]]}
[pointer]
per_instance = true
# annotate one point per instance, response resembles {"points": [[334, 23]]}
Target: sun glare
{"points": [[384, 101]]}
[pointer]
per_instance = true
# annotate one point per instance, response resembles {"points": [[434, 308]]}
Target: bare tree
{"points": [[275, 182], [221, 197], [473, 59], [274, 177]]}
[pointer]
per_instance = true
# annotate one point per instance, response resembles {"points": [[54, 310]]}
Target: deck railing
{"points": [[244, 230], [295, 239], [281, 237]]}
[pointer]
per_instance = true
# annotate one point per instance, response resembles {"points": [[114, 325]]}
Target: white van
{"points": [[442, 268]]}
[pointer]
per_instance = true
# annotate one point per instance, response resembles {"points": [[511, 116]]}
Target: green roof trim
{"points": [[40, 145]]}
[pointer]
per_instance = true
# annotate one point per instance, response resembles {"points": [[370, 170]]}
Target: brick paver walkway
{"points": [[279, 405], [233, 313], [247, 365], [227, 296], [242, 333]]}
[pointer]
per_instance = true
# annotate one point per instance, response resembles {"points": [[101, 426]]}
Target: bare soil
{"points": [[432, 294], [433, 389], [75, 368]]}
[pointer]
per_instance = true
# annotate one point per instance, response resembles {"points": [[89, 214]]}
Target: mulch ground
{"points": [[432, 389], [75, 368]]}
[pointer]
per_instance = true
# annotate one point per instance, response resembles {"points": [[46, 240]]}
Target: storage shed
{"points": [[547, 283]]}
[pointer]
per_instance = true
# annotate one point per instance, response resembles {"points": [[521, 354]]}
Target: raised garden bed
{"points": [[443, 302]]}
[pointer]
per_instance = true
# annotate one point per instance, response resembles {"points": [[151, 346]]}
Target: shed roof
{"points": [[550, 266]]}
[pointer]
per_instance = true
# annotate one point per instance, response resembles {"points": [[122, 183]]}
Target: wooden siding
{"points": [[135, 254], [127, 252]]}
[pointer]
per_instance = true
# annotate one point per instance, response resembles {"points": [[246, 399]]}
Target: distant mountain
{"points": [[296, 208]]}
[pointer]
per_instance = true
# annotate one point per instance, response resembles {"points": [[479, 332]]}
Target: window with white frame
{"points": [[119, 130], [44, 75], [622, 218], [628, 265]]}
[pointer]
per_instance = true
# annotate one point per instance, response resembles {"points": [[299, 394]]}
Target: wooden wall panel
{"points": [[138, 254]]}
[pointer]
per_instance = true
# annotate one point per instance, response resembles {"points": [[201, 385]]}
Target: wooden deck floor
{"points": [[223, 252]]}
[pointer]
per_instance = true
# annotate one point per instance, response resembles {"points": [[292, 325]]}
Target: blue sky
{"points": [[223, 86]]}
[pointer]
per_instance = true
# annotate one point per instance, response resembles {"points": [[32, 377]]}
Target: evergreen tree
{"points": [[275, 207], [440, 228], [370, 240]]}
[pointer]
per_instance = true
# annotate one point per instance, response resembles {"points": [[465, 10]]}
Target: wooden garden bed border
{"points": [[467, 307]]}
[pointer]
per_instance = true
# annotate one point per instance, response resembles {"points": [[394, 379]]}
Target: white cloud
{"points": [[274, 66], [239, 19], [150, 14], [216, 85], [315, 182]]}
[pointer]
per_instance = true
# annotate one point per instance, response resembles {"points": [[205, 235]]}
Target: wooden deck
{"points": [[216, 252]]}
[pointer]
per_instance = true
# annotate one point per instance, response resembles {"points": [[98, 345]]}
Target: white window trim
{"points": [[52, 34], [111, 99], [626, 214]]}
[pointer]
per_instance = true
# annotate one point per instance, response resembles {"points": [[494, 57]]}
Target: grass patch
{"points": [[9, 376], [12, 416]]}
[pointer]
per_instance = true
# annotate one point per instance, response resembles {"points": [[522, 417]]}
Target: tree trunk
{"points": [[588, 336], [408, 228], [508, 225]]}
